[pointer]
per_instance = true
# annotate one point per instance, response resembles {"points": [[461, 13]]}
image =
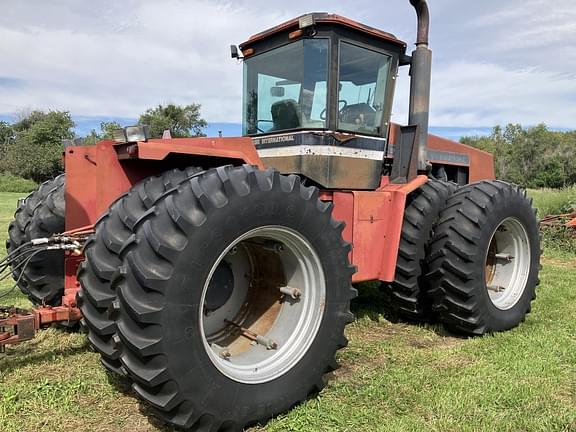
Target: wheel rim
{"points": [[507, 264], [272, 315]]}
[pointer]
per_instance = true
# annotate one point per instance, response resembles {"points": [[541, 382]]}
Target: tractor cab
{"points": [[318, 94]]}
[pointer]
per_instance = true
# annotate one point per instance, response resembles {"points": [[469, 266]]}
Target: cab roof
{"points": [[325, 18]]}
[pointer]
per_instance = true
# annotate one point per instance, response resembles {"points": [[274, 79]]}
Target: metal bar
{"points": [[260, 340], [21, 325]]}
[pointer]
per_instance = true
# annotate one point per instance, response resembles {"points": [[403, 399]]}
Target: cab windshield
{"points": [[286, 88]]}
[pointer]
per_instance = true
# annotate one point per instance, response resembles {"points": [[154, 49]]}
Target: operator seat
{"points": [[285, 115]]}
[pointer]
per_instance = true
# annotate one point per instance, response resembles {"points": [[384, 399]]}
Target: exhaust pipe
{"points": [[421, 73]]}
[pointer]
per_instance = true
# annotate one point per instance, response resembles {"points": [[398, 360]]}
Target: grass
{"points": [[553, 201], [11, 183], [393, 376]]}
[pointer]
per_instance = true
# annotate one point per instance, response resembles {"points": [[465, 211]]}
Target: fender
{"points": [[373, 226], [97, 175]]}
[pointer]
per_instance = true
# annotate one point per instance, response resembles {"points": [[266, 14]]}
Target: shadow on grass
{"points": [[32, 354], [154, 420], [124, 385], [372, 303]]}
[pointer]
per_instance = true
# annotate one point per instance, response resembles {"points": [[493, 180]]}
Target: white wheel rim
{"points": [[507, 264], [290, 323]]}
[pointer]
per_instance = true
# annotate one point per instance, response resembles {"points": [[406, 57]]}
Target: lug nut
{"points": [[273, 246]]}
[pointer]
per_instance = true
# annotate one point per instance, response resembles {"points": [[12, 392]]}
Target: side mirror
{"points": [[277, 91], [234, 52]]}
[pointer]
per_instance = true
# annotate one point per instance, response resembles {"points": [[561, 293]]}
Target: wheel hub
{"points": [[507, 264], [262, 304]]}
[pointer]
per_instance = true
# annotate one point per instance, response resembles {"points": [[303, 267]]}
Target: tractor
{"points": [[216, 274]]}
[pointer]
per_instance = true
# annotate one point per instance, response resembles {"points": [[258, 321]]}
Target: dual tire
{"points": [[484, 259], [40, 214], [237, 280], [407, 296], [97, 298], [468, 256]]}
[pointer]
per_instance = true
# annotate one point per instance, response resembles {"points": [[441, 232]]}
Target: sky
{"points": [[495, 62]]}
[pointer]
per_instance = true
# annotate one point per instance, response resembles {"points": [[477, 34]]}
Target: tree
{"points": [[35, 151], [105, 133], [106, 129], [182, 121], [6, 136], [533, 157]]}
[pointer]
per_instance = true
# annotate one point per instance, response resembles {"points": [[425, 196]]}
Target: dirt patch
{"points": [[350, 369], [564, 263], [434, 342], [375, 332], [401, 335], [411, 335]]}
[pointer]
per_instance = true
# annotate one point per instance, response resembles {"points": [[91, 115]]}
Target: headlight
{"points": [[131, 134], [306, 21], [137, 133]]}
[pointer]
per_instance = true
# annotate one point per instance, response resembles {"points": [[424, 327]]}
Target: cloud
{"points": [[495, 62], [470, 94], [157, 52]]}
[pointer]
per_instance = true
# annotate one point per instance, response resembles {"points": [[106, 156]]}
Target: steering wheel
{"points": [[341, 101]]}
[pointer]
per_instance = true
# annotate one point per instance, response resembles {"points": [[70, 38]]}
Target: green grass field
{"points": [[393, 377]]}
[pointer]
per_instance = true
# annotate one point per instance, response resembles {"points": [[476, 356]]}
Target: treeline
{"points": [[533, 157], [31, 147]]}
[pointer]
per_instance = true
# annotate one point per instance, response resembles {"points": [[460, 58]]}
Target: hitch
{"points": [[19, 325]]}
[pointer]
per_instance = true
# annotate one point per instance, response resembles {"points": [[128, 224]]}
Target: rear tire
{"points": [[172, 263], [407, 295], [97, 296], [484, 258], [40, 215]]}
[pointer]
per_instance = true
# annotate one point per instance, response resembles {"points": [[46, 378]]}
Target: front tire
{"points": [[209, 337], [484, 258]]}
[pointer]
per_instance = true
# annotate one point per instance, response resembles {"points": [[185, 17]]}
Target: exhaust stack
{"points": [[420, 73]]}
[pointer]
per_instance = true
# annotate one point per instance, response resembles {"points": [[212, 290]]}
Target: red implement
{"points": [[567, 219], [20, 325]]}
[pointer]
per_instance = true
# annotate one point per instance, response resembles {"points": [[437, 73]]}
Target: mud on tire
{"points": [[407, 295], [41, 214], [97, 297], [484, 258], [186, 261]]}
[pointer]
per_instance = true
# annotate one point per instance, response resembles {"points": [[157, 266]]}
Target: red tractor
{"points": [[216, 273]]}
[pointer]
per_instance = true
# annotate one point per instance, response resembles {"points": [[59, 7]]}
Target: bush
{"points": [[11, 183], [554, 202], [558, 238]]}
